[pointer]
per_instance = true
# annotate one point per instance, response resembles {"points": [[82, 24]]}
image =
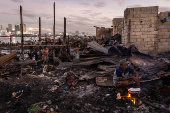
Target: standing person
{"points": [[45, 55], [77, 51], [121, 75], [68, 47]]}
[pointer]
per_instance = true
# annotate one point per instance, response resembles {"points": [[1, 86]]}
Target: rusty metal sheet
{"points": [[149, 70], [6, 58], [94, 45]]}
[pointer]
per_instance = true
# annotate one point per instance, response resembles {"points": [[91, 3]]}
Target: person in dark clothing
{"points": [[121, 75]]}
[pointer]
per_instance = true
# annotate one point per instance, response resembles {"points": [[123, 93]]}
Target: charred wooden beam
{"points": [[6, 58]]}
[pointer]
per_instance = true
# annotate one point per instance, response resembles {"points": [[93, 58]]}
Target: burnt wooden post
{"points": [[54, 27], [40, 37], [39, 29], [54, 35], [64, 30], [22, 38], [68, 39], [10, 43]]}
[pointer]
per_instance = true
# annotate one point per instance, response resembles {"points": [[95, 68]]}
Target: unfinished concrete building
{"points": [[117, 26], [144, 27], [103, 32]]}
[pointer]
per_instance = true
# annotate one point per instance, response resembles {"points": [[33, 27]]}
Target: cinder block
{"points": [[154, 39], [144, 36], [133, 33], [168, 40], [167, 33], [154, 32], [147, 39], [137, 23], [151, 48], [140, 40], [162, 27], [146, 33], [163, 30], [165, 37], [147, 46], [138, 33], [143, 43], [150, 29], [161, 33], [138, 36], [162, 40], [165, 43], [137, 43], [132, 40], [151, 43]]}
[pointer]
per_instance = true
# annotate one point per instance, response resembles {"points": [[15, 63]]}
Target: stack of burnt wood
{"points": [[10, 66]]}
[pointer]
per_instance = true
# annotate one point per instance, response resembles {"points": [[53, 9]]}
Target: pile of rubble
{"points": [[85, 84]]}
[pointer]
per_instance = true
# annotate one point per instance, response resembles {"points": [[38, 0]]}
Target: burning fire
{"points": [[128, 96], [133, 100]]}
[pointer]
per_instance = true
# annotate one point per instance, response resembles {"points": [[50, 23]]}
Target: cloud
{"points": [[95, 14], [106, 20], [7, 13], [85, 3], [87, 11], [132, 6], [79, 18], [163, 9], [120, 2], [19, 1], [100, 4], [119, 17]]}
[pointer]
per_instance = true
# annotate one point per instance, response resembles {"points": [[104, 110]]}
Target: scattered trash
{"points": [[17, 94], [107, 95], [34, 108], [42, 75], [53, 88]]}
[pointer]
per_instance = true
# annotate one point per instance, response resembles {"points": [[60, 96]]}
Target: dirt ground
{"points": [[87, 97]]}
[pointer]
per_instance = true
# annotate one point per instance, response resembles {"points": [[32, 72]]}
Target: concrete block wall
{"points": [[103, 32], [143, 27], [140, 28], [141, 12], [124, 33], [163, 36], [117, 27], [164, 14]]}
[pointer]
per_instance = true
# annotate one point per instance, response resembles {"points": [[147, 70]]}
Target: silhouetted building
{"points": [[24, 28], [0, 27], [17, 28], [77, 33], [9, 27]]}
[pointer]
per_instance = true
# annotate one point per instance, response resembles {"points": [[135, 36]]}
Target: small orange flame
{"points": [[129, 95], [134, 101]]}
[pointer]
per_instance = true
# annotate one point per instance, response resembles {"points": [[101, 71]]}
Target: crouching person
{"points": [[121, 77]]}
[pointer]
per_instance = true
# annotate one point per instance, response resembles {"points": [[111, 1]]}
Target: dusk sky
{"points": [[81, 15]]}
